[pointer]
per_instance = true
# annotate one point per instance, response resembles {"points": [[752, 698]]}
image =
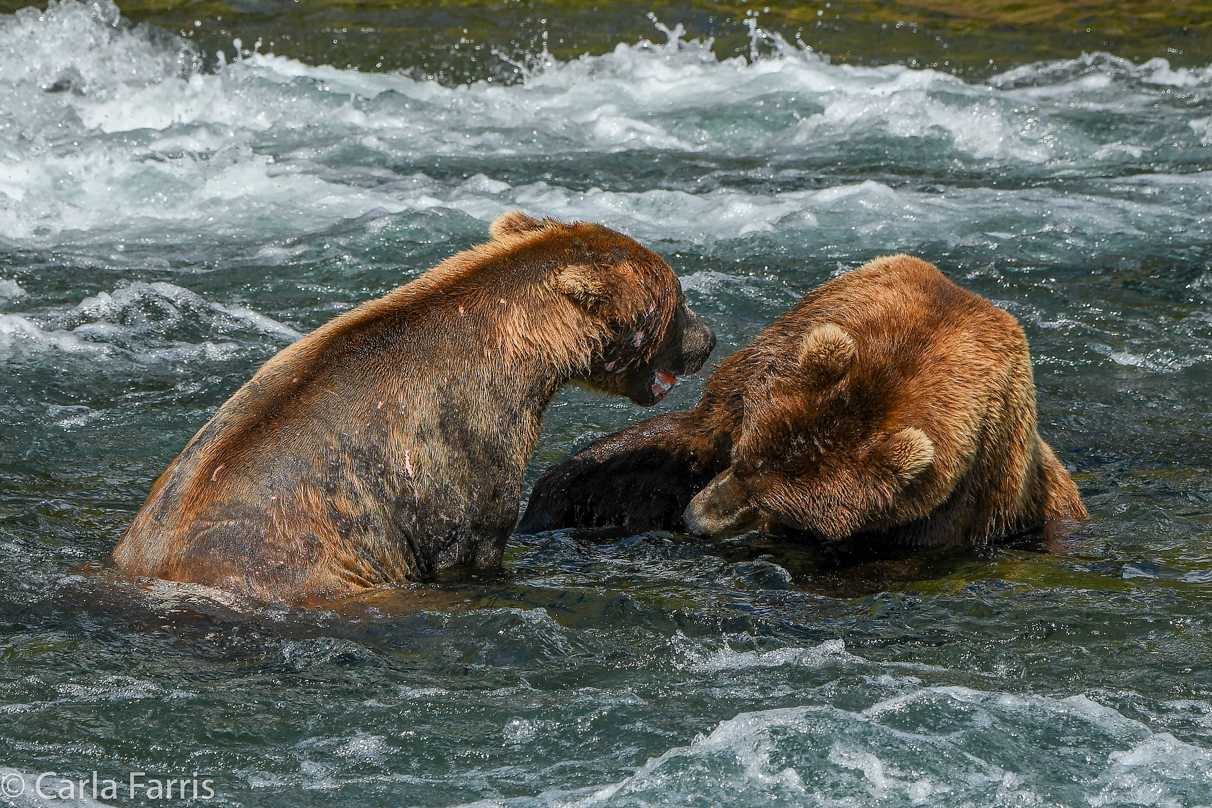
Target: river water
{"points": [[165, 228]]}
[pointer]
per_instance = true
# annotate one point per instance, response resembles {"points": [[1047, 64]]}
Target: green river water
{"points": [[175, 209]]}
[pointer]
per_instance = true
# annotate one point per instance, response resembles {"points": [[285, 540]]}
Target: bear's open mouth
{"points": [[662, 383]]}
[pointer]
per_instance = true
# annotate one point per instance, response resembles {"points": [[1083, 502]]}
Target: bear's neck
{"points": [[481, 381], [498, 398]]}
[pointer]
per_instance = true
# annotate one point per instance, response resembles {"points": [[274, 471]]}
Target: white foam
{"points": [[1162, 360], [171, 300], [364, 748], [1105, 68], [139, 322], [743, 739], [711, 282], [201, 154], [871, 766], [73, 416], [925, 745], [728, 659], [519, 731], [1153, 772], [1203, 128], [83, 48], [411, 693], [110, 689], [20, 334]]}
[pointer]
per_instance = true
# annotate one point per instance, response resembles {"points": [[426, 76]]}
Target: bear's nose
{"points": [[698, 341], [721, 509]]}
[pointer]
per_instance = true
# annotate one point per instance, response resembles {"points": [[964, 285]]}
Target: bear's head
{"points": [[823, 447], [643, 335]]}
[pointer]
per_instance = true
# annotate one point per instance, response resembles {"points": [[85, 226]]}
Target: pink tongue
{"points": [[664, 381]]}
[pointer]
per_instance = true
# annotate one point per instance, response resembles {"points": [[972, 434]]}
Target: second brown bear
{"points": [[888, 404]]}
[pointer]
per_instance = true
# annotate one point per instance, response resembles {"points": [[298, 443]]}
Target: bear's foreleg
{"points": [[641, 478]]}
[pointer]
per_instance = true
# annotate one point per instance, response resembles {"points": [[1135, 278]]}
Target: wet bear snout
{"points": [[698, 341]]}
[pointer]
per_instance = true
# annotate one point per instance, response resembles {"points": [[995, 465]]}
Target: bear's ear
{"points": [[909, 453], [514, 222], [827, 350], [584, 285]]}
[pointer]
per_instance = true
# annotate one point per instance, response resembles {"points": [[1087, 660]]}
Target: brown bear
{"points": [[889, 404], [392, 442]]}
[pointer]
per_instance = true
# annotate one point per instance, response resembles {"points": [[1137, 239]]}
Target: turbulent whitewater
{"points": [[167, 226]]}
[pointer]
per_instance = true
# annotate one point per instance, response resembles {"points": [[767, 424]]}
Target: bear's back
{"points": [[913, 325]]}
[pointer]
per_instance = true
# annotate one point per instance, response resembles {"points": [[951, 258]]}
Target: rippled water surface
{"points": [[165, 229]]}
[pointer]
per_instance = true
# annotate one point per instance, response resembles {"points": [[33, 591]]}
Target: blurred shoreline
{"points": [[458, 41]]}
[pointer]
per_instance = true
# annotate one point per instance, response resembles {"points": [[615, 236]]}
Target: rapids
{"points": [[165, 227]]}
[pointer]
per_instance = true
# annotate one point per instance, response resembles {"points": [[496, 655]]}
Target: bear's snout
{"points": [[684, 349], [698, 341], [722, 509]]}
